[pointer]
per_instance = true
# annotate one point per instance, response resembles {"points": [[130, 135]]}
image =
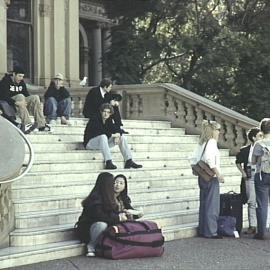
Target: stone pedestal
{"points": [[97, 57]]}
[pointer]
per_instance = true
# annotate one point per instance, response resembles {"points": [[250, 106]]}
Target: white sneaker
{"points": [[52, 122], [90, 254]]}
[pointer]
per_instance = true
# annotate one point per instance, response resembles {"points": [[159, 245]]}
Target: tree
{"points": [[218, 49]]}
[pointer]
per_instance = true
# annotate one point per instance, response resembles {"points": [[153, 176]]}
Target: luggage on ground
{"points": [[132, 239], [231, 205], [226, 225]]}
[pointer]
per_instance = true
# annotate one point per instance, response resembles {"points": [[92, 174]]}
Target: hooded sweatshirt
{"points": [[9, 88]]}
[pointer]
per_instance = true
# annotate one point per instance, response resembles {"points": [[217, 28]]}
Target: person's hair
{"points": [[124, 194], [103, 192], [265, 125], [18, 70], [105, 106], [252, 133], [105, 83], [208, 127]]}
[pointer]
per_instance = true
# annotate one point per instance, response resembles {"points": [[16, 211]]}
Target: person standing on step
{"points": [[57, 101], [14, 91], [107, 204], [101, 134], [261, 158], [100, 95], [244, 165], [208, 151]]}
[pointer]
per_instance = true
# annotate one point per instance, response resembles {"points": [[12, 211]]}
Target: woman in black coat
{"points": [[107, 204]]}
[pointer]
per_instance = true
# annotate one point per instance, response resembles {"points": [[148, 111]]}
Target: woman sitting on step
{"points": [[107, 204], [208, 151]]}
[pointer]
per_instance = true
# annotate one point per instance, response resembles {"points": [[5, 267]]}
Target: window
{"points": [[19, 35]]}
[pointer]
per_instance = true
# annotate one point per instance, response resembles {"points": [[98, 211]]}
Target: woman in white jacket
{"points": [[209, 191]]}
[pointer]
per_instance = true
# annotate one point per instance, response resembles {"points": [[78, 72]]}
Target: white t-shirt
{"points": [[211, 154]]}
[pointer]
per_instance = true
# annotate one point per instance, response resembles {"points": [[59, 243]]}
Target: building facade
{"points": [[50, 36]]}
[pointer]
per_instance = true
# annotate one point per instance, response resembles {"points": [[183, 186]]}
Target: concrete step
{"points": [[59, 233], [64, 216], [49, 138], [96, 155], [134, 146], [17, 256], [90, 175], [82, 165], [53, 188], [135, 130]]}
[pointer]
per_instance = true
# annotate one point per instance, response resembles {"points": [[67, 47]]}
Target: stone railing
{"points": [[6, 214], [177, 105]]}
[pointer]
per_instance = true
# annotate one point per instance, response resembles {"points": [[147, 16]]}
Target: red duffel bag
{"points": [[132, 239]]}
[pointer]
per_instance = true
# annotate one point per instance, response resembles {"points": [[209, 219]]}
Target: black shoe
{"points": [[218, 236], [46, 128], [110, 165], [131, 164], [124, 132], [26, 129], [259, 237]]}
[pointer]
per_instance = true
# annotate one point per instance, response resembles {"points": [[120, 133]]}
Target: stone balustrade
{"points": [[177, 105]]}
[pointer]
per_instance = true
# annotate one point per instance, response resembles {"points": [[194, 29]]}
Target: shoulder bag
{"points": [[202, 169]]}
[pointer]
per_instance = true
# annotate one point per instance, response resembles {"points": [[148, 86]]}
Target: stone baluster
{"points": [[208, 115], [80, 107], [140, 104], [129, 105], [222, 140], [229, 135], [199, 118], [180, 112], [72, 107], [240, 139], [190, 116]]}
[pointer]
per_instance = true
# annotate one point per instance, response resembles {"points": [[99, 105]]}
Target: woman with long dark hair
{"points": [[107, 204]]}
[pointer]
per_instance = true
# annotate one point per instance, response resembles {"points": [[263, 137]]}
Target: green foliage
{"points": [[219, 49]]}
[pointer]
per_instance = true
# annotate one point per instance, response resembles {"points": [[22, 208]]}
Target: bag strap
{"points": [[153, 244], [147, 228], [204, 150]]}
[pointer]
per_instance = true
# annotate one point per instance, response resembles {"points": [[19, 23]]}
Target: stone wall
{"points": [[6, 214]]}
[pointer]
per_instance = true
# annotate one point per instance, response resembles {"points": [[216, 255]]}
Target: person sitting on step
{"points": [[101, 134], [57, 101], [107, 204], [14, 91]]}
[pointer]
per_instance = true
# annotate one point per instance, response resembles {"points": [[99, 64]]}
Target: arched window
{"points": [[19, 35]]}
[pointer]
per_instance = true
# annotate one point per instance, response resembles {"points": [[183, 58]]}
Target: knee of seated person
{"points": [[102, 225], [35, 98], [103, 137], [20, 97], [51, 99]]}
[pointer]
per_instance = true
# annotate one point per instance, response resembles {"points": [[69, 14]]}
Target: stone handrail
{"points": [[181, 107]]}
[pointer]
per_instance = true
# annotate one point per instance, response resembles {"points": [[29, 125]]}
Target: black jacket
{"points": [[59, 94], [94, 212], [242, 156], [94, 100], [95, 127], [8, 89]]}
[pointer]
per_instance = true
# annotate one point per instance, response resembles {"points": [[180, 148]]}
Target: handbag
{"points": [[202, 169]]}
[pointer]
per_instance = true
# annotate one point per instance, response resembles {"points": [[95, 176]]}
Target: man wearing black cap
{"points": [[14, 91]]}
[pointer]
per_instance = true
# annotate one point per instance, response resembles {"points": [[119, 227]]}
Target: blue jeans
{"points": [[209, 207], [53, 108], [96, 230], [262, 189]]}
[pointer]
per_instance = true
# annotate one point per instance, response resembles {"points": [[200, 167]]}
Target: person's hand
{"points": [[123, 217], [21, 103], [116, 103], [117, 140], [221, 178]]}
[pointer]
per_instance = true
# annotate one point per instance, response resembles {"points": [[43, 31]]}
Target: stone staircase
{"points": [[47, 200]]}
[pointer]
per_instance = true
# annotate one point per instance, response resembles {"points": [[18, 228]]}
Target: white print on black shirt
{"points": [[14, 88]]}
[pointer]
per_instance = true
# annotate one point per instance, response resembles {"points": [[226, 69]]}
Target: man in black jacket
{"points": [[100, 95], [243, 163], [101, 134], [14, 92]]}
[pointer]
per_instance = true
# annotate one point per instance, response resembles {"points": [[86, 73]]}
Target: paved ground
{"points": [[187, 254]]}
